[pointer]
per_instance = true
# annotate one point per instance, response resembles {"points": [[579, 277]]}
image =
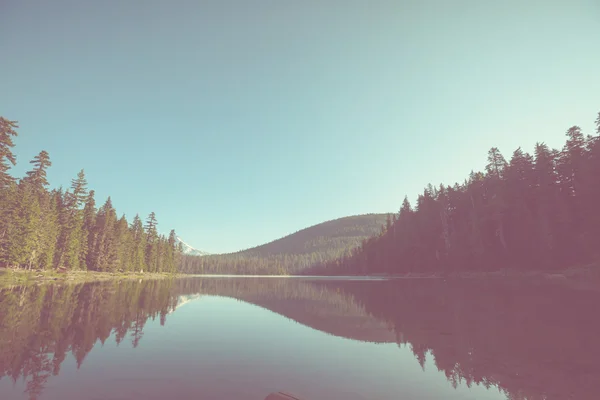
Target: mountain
{"points": [[295, 252], [326, 237], [189, 250]]}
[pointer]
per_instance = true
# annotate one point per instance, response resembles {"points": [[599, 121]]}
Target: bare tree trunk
{"points": [[445, 230], [31, 259], [500, 234]]}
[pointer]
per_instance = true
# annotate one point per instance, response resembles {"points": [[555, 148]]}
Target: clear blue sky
{"points": [[238, 122]]}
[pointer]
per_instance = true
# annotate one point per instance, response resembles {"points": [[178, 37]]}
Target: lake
{"points": [[321, 339]]}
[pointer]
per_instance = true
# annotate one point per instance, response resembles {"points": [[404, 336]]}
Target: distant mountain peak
{"points": [[189, 250]]}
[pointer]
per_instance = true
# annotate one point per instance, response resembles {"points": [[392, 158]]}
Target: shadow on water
{"points": [[531, 341]]}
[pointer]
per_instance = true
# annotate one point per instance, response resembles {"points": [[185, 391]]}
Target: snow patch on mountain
{"points": [[189, 250]]}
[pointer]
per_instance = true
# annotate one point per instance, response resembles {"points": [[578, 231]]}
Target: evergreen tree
{"points": [[123, 241], [104, 256], [7, 158], [50, 229], [138, 254], [37, 176], [496, 163], [73, 239], [88, 230], [151, 243], [24, 237], [8, 215], [172, 256], [79, 189], [41, 213], [69, 242]]}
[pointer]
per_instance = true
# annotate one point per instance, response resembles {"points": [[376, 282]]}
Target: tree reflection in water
{"points": [[531, 341]]}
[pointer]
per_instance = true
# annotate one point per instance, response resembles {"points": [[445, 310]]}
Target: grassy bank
{"points": [[10, 277]]}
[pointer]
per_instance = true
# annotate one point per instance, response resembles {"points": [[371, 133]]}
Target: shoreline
{"points": [[11, 277], [589, 275]]}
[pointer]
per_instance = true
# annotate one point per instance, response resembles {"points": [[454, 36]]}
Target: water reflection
{"points": [[529, 341]]}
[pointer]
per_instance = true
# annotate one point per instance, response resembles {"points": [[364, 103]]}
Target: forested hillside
{"points": [[42, 228], [537, 211], [292, 253]]}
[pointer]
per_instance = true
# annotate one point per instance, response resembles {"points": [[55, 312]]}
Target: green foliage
{"points": [[87, 231], [44, 229], [25, 228], [152, 243], [79, 188], [50, 230], [138, 258], [7, 158], [37, 176]]}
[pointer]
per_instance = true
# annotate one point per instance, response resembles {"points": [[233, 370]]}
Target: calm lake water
{"points": [[243, 338]]}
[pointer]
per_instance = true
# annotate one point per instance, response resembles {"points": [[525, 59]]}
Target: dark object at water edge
{"points": [[281, 396]]}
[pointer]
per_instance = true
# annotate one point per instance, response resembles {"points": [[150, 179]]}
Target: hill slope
{"points": [[334, 235], [295, 252]]}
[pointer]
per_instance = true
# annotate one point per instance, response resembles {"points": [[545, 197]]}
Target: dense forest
{"points": [[532, 212], [535, 211], [62, 229], [293, 253]]}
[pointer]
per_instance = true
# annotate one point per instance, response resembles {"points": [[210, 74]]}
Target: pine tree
{"points": [[104, 256], [151, 243], [173, 258], [87, 231], [496, 163], [23, 239], [138, 258], [589, 196], [7, 132], [520, 181], [40, 215], [50, 229], [37, 176], [570, 166], [161, 254], [69, 241], [124, 245], [8, 214], [79, 189], [72, 249]]}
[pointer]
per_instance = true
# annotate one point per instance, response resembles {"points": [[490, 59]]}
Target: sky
{"points": [[239, 122]]}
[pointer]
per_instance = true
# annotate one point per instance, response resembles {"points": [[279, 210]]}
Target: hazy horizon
{"points": [[239, 123]]}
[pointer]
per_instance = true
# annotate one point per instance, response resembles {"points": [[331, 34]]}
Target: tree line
{"points": [[250, 264], [535, 211], [42, 228], [293, 253]]}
